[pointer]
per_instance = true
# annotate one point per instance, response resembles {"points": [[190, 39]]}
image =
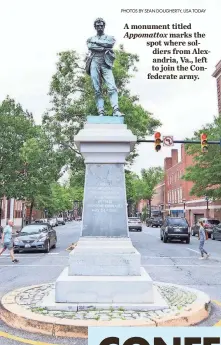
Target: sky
{"points": [[33, 32]]}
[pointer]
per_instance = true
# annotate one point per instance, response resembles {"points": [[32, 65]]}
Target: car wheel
{"points": [[212, 237], [192, 233], [164, 239], [188, 241], [55, 245], [47, 247]]}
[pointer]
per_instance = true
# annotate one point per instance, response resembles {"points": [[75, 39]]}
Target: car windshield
{"points": [[213, 221], [177, 222], [32, 230]]}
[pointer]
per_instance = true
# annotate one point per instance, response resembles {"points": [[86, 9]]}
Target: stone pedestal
{"points": [[104, 267]]}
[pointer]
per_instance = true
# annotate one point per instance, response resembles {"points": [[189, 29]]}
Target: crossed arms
{"points": [[102, 45]]}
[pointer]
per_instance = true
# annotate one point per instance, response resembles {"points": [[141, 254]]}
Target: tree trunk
{"points": [[31, 210]]}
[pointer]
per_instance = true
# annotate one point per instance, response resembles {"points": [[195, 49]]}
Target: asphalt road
{"points": [[167, 262]]}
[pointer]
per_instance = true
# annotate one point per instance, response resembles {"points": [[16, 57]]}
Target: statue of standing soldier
{"points": [[99, 66]]}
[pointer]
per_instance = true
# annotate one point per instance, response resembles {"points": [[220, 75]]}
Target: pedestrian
{"points": [[7, 240], [203, 236]]}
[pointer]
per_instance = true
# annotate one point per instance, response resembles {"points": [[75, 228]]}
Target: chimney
{"points": [[174, 153], [167, 163]]}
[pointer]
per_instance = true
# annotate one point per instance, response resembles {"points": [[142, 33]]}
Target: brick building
{"points": [[158, 200], [15, 210], [178, 201], [217, 75], [141, 204]]}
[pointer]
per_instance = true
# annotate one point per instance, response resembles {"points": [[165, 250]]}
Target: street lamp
{"points": [[207, 206], [184, 207], [169, 209], [162, 214]]}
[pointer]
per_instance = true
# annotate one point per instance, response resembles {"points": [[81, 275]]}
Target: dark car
{"points": [[134, 223], [216, 233], [35, 237], [208, 224], [154, 222], [175, 228], [1, 231]]}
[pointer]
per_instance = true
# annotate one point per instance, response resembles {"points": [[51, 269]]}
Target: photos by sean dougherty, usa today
{"points": [[110, 160]]}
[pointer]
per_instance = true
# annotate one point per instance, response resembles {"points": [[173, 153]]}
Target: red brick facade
{"points": [[158, 200], [217, 75], [178, 201]]}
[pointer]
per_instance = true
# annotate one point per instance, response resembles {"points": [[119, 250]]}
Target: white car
{"points": [[61, 220], [134, 223], [52, 222]]}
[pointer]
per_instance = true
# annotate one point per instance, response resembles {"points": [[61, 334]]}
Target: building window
{"points": [[181, 194]]}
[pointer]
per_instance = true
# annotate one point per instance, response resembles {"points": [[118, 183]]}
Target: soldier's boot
{"points": [[117, 112], [101, 112]]}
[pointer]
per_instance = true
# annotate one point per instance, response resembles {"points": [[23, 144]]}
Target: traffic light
{"points": [[158, 141], [204, 143]]}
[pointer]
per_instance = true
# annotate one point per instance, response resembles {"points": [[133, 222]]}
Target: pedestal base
{"points": [[104, 289], [104, 257]]}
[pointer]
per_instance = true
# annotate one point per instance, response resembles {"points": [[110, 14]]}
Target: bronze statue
{"points": [[99, 66]]}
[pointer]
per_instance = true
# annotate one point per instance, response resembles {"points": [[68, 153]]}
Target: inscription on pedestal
{"points": [[105, 205]]}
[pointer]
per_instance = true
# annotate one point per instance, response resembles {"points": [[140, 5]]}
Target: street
{"points": [[167, 262]]}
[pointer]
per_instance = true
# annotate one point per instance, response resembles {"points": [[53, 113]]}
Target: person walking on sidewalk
{"points": [[7, 240], [202, 238]]}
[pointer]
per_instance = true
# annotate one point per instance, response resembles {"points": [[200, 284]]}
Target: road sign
{"points": [[168, 140]]}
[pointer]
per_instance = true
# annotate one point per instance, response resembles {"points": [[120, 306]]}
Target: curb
{"points": [[13, 314]]}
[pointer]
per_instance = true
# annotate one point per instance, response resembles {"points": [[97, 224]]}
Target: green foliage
{"points": [[131, 180], [28, 162], [149, 180], [143, 187], [16, 126], [206, 171], [72, 99]]}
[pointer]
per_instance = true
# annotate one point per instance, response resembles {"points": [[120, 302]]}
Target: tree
{"points": [[16, 126], [205, 173], [149, 180], [42, 167], [143, 187], [58, 200], [72, 99]]}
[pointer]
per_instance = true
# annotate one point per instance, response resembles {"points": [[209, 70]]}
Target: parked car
{"points": [[52, 222], [208, 223], [216, 232], [61, 220], [37, 237], [42, 220], [154, 221], [134, 223], [175, 228]]}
